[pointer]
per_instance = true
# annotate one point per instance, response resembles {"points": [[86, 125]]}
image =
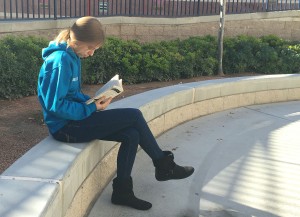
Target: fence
{"points": [[61, 9]]}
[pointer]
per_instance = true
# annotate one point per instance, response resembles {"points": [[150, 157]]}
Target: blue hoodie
{"points": [[59, 89]]}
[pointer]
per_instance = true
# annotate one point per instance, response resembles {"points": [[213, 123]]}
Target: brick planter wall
{"points": [[283, 24]]}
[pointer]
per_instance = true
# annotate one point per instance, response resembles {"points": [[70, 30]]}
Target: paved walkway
{"points": [[247, 164]]}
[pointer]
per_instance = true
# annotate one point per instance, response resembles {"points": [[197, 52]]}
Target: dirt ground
{"points": [[21, 121]]}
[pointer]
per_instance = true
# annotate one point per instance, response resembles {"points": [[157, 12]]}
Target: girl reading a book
{"points": [[70, 119]]}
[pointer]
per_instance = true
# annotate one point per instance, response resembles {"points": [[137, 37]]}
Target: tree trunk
{"points": [[221, 35]]}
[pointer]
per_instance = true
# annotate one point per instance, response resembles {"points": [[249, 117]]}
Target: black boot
{"points": [[123, 195], [166, 168]]}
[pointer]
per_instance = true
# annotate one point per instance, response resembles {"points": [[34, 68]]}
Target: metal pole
{"points": [[55, 9], [221, 35]]}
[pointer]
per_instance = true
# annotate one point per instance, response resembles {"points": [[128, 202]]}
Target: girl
{"points": [[69, 119]]}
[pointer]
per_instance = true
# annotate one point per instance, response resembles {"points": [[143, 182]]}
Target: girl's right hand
{"points": [[102, 103]]}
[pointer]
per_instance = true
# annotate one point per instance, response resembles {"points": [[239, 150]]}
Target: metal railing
{"points": [[61, 9]]}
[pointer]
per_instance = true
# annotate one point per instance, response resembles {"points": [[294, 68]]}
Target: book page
{"points": [[111, 89], [115, 81]]}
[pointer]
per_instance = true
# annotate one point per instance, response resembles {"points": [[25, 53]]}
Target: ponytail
{"points": [[64, 35]]}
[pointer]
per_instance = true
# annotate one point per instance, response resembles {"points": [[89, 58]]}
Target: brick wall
{"points": [[282, 24]]}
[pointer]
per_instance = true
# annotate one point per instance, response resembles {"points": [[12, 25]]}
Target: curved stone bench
{"points": [[56, 179]]}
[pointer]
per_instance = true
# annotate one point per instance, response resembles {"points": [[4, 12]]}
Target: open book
{"points": [[111, 89]]}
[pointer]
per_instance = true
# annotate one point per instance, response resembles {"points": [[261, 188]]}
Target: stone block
{"points": [[95, 182], [127, 30], [237, 86], [178, 116], [278, 95], [246, 99], [200, 109], [232, 101], [215, 105], [75, 209], [233, 32], [170, 31], [295, 34], [143, 30], [187, 30], [28, 197], [157, 125], [262, 97], [294, 94], [275, 25], [156, 30], [178, 99], [153, 109], [207, 92]]}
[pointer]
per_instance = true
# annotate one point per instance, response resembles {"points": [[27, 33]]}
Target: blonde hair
{"points": [[86, 29]]}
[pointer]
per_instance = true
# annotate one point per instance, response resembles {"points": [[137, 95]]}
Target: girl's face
{"points": [[84, 50]]}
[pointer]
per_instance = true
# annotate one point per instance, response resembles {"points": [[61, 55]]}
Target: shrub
{"points": [[159, 61], [115, 57], [199, 55], [267, 60], [155, 63], [289, 56], [19, 65], [239, 54]]}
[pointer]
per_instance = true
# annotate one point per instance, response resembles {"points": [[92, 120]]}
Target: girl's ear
{"points": [[72, 44]]}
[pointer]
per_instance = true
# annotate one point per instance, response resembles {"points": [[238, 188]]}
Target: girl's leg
{"points": [[105, 124], [129, 127], [115, 125], [129, 139], [109, 123]]}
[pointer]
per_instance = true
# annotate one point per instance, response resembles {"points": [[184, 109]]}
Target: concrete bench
{"points": [[56, 179]]}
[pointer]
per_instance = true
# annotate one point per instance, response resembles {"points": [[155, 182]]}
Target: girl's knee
{"points": [[139, 114], [135, 113]]}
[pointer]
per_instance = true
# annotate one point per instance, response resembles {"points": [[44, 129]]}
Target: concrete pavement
{"points": [[247, 164]]}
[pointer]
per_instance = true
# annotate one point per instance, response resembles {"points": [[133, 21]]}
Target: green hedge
{"points": [[266, 55], [160, 61], [20, 60]]}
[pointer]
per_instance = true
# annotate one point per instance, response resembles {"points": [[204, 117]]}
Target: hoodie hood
{"points": [[53, 46]]}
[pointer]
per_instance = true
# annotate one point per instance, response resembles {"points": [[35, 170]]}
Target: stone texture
{"points": [[127, 30], [246, 99], [230, 102], [157, 125]]}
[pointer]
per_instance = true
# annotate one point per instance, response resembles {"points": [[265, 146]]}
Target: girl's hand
{"points": [[103, 102]]}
